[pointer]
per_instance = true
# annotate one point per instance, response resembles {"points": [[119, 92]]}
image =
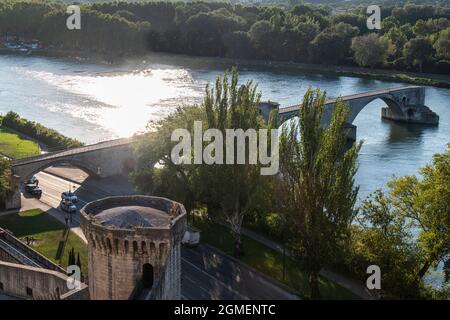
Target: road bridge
{"points": [[104, 159]]}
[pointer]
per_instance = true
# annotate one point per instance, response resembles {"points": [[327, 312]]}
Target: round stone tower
{"points": [[134, 247]]}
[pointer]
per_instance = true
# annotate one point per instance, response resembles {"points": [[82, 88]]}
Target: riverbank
{"points": [[425, 79], [50, 139], [14, 146]]}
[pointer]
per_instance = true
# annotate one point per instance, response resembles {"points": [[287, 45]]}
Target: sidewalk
{"points": [[342, 280]]}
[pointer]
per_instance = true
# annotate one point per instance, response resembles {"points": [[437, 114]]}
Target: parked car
{"points": [[33, 189], [33, 180], [69, 195], [68, 206], [191, 237]]}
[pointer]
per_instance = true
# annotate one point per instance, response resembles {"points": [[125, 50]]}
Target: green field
{"points": [[12, 145], [49, 235], [268, 261]]}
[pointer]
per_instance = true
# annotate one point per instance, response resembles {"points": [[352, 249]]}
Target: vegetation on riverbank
{"points": [[46, 235], [412, 37], [312, 207], [50, 137], [415, 78], [14, 146]]}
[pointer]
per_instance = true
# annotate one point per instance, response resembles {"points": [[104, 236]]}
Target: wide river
{"points": [[94, 102]]}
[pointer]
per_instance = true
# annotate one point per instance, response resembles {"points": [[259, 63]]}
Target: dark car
{"points": [[33, 180], [68, 195], [33, 190], [68, 206]]}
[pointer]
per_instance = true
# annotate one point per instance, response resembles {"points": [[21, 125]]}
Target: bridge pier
{"points": [[412, 114], [15, 200], [350, 132]]}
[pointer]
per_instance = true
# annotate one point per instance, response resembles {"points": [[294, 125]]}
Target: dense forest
{"points": [[412, 37]]}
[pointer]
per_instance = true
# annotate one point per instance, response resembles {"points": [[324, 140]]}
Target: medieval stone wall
{"points": [[34, 283]]}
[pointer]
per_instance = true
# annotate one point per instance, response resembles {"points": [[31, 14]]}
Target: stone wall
{"points": [[29, 252], [35, 283], [7, 257]]}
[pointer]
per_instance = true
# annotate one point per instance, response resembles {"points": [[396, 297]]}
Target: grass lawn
{"points": [[49, 234], [268, 261], [14, 146]]}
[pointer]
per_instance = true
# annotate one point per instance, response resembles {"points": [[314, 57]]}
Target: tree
{"points": [[239, 45], [78, 260], [356, 20], [204, 32], [5, 180], [229, 191], [259, 29], [382, 237], [370, 50], [232, 189], [333, 44], [388, 23], [155, 172], [442, 44], [426, 28], [426, 204], [317, 189], [407, 229], [398, 38], [417, 51], [71, 259]]}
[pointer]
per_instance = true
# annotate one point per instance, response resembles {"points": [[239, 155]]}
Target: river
{"points": [[95, 102]]}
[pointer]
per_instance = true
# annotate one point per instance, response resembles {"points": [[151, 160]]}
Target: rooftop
{"points": [[133, 211], [127, 217]]}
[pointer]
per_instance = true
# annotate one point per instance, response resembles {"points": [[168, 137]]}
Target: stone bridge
{"points": [[406, 104], [104, 159]]}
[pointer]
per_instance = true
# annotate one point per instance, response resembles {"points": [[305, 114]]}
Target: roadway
{"points": [[206, 273]]}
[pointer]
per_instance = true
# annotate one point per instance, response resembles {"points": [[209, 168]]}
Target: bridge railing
{"points": [[68, 152], [353, 96]]}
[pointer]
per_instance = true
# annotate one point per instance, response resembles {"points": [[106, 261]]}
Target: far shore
{"points": [[426, 79]]}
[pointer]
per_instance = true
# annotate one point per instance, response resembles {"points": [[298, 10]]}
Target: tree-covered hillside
{"points": [[412, 37]]}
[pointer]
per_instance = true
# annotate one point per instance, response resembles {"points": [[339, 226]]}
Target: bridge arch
{"points": [[392, 104], [73, 162]]}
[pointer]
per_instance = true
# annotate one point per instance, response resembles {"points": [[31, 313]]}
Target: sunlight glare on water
{"points": [[121, 102]]}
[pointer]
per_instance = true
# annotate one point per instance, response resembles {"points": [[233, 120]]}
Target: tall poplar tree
{"points": [[317, 189]]}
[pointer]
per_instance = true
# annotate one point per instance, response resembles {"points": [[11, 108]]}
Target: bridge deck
{"points": [[60, 154], [352, 97]]}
